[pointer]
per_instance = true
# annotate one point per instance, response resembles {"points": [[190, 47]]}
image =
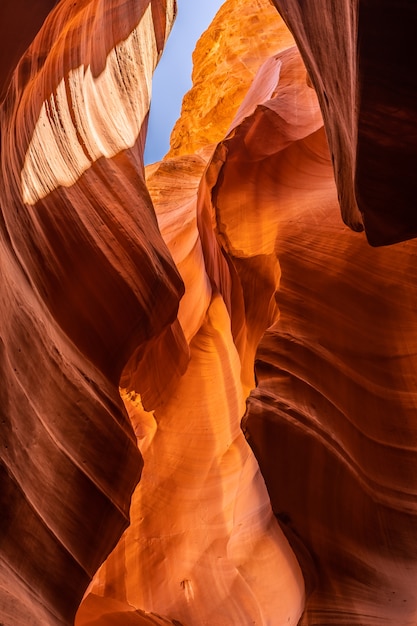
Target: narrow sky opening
{"points": [[172, 77]]}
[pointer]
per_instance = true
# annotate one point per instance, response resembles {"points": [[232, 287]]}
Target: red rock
{"points": [[79, 279], [172, 286], [360, 57]]}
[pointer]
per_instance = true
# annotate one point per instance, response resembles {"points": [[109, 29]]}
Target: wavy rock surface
{"points": [[332, 421], [219, 556], [79, 280], [358, 55], [203, 546], [19, 22], [171, 288]]}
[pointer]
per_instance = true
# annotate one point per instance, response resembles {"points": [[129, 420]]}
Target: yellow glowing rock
{"points": [[203, 546], [228, 55]]}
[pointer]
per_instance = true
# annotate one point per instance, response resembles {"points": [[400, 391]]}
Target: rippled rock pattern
{"points": [[78, 296], [143, 315]]}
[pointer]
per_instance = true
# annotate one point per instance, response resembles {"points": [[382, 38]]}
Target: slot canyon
{"points": [[208, 389]]}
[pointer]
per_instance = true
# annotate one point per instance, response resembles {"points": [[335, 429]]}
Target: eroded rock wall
{"points": [[359, 56], [203, 545], [333, 419], [240, 38], [230, 253], [78, 276]]}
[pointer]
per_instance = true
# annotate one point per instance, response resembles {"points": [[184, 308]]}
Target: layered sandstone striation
{"points": [[78, 295], [332, 420], [203, 545], [142, 316]]}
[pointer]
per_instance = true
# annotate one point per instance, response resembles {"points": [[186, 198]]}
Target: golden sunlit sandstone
{"points": [[143, 316], [225, 61], [203, 546]]}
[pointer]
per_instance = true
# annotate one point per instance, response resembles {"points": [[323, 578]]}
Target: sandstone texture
{"points": [[208, 392], [358, 55], [225, 61], [73, 306]]}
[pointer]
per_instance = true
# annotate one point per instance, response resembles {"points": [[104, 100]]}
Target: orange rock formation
{"points": [[357, 55], [86, 280], [144, 315]]}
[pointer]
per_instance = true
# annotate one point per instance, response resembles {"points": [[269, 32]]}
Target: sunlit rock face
{"points": [[142, 316], [241, 37], [203, 545]]}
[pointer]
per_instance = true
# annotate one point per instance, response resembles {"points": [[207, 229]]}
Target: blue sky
{"points": [[172, 78]]}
